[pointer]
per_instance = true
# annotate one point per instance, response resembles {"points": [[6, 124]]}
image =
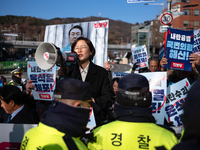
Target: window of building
{"points": [[190, 23], [186, 11], [196, 23], [185, 23], [196, 12]]}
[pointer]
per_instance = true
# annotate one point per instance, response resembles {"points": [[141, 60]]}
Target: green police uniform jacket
{"points": [[59, 129], [134, 129], [21, 85], [49, 139]]}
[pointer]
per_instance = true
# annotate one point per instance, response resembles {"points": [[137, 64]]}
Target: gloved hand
{"points": [[134, 66]]}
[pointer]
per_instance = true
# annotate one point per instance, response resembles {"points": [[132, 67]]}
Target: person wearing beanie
{"points": [[134, 127], [65, 121]]}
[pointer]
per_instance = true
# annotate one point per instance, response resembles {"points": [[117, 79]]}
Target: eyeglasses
{"points": [[82, 47]]}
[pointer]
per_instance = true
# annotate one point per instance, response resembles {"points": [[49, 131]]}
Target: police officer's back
{"points": [[135, 126], [65, 121]]}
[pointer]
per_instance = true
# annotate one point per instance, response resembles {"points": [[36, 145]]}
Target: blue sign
{"points": [[139, 1], [1, 84], [119, 74], [179, 46], [161, 52]]}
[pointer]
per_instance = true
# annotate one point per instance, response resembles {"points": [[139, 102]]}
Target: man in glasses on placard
{"points": [[74, 33]]}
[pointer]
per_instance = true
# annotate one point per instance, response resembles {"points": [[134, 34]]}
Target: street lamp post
{"points": [[155, 4]]}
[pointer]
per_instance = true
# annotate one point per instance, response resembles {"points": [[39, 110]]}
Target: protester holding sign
{"points": [[153, 64], [177, 75], [65, 121], [95, 75], [179, 46], [135, 126]]}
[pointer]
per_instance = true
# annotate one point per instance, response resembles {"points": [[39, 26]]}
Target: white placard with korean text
{"points": [[44, 81], [140, 56], [176, 94]]}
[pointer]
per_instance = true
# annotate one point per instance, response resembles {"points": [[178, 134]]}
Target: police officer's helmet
{"points": [[133, 90], [17, 71]]}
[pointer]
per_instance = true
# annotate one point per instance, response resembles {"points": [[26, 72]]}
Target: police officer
{"points": [[65, 121], [17, 79], [134, 127]]}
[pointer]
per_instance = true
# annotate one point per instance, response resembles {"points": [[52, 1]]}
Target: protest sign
{"points": [[12, 135], [158, 84], [140, 56], [196, 48], [176, 94], [44, 81], [119, 74], [20, 87], [96, 31], [179, 46], [91, 122], [1, 84]]}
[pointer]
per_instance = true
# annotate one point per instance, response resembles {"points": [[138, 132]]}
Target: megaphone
{"points": [[47, 55]]}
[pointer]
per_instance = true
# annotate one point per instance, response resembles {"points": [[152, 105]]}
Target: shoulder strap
{"points": [[70, 142]]}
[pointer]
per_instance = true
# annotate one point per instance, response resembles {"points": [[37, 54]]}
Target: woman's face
{"points": [[83, 51], [115, 87]]}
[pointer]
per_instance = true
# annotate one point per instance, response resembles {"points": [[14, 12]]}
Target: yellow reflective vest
{"points": [[120, 135], [45, 137]]}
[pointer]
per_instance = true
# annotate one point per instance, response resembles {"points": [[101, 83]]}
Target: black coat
{"points": [[25, 116], [100, 85]]}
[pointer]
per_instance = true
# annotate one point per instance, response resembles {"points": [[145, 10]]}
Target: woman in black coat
{"points": [[97, 76]]}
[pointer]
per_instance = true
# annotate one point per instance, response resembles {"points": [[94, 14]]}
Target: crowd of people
{"points": [[122, 107]]}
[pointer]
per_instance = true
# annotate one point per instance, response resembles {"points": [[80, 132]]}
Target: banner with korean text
{"points": [[176, 94], [140, 56], [44, 81], [158, 84], [179, 46], [96, 31]]}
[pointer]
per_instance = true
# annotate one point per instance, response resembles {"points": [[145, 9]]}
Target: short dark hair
{"points": [[115, 79], [11, 92], [78, 27], [153, 58], [89, 43]]}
